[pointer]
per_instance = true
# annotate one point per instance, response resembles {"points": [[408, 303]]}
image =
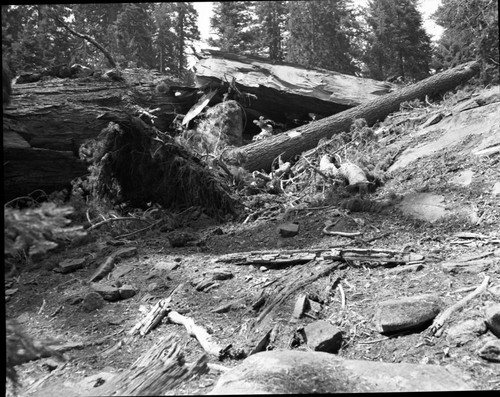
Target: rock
{"points": [[108, 292], [126, 291], [120, 271], [406, 313], [496, 189], [70, 265], [492, 313], [476, 266], [221, 274], [323, 336], [166, 266], [466, 331], [290, 371], [491, 351], [92, 301], [463, 178], [288, 229], [495, 290]]}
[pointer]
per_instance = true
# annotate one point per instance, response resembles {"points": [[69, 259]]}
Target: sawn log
{"points": [[259, 155]]}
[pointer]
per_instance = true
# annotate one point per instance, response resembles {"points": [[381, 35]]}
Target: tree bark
{"points": [[286, 91], [260, 155]]}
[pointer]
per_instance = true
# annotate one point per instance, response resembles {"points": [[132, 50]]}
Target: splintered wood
{"points": [[373, 257]]}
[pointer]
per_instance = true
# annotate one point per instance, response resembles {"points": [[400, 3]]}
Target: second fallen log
{"points": [[260, 155]]}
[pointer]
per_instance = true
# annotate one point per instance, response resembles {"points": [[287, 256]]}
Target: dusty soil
{"points": [[42, 302]]}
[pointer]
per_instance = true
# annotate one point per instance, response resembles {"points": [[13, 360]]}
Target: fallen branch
{"points": [[122, 218], [437, 325], [205, 339], [342, 234]]}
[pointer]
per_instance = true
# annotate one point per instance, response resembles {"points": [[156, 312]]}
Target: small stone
{"points": [[323, 336], [263, 269], [50, 364], [126, 291], [495, 290], [166, 266], [12, 291], [406, 313], [92, 301], [496, 189], [221, 274], [491, 351], [288, 229], [492, 313], [466, 331], [108, 292], [151, 287], [70, 265], [120, 271]]}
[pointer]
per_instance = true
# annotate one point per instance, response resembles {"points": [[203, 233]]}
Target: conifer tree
{"points": [[134, 28], [322, 34], [232, 22], [470, 32], [397, 44], [272, 17]]}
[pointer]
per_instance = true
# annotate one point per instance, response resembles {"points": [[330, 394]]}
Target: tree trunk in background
{"points": [[260, 155]]}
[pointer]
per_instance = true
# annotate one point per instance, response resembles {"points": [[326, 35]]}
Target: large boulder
{"points": [[290, 371]]}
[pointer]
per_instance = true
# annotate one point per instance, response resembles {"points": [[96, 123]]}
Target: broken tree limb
{"points": [[260, 155], [198, 332], [438, 323], [280, 257]]}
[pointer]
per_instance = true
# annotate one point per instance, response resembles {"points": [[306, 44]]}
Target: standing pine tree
{"points": [[232, 22], [397, 44], [186, 30], [272, 17], [470, 32], [322, 34], [134, 33]]}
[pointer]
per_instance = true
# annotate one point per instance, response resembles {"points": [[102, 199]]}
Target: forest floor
{"points": [[463, 181]]}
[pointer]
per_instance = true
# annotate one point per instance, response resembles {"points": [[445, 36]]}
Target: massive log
{"points": [[286, 91], [45, 123], [260, 155]]}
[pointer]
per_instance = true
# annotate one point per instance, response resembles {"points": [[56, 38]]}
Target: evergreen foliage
{"points": [[146, 35], [272, 16], [397, 44], [232, 23], [471, 32], [321, 34]]}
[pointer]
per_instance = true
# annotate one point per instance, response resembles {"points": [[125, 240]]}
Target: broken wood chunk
{"points": [[301, 305]]}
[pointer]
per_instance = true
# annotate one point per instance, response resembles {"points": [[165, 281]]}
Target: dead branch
{"points": [[88, 38], [437, 325], [122, 218], [198, 332]]}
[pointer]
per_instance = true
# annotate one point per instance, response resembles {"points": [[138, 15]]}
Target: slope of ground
{"points": [[453, 164]]}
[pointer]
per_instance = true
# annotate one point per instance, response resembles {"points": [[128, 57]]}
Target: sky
{"points": [[426, 7]]}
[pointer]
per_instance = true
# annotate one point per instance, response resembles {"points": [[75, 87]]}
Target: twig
{"points": [[342, 295], [42, 307], [437, 325], [124, 218], [343, 234], [373, 341], [140, 230]]}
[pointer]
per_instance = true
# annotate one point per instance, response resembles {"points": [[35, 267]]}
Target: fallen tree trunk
{"points": [[260, 154], [286, 91]]}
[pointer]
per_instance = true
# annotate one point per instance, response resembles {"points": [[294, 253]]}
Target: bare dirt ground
{"points": [[42, 302]]}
